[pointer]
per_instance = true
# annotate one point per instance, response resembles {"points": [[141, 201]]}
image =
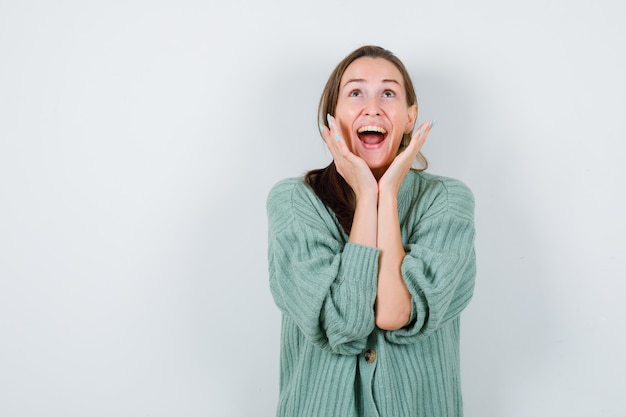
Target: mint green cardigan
{"points": [[334, 362]]}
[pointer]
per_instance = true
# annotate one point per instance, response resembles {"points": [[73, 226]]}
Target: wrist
{"points": [[387, 194], [367, 197]]}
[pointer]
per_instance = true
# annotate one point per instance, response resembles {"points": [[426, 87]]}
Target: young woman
{"points": [[371, 262]]}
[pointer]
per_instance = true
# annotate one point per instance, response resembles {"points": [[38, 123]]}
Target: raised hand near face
{"points": [[394, 175], [351, 167]]}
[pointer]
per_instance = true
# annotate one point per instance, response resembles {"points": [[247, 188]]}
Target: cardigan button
{"points": [[370, 355]]}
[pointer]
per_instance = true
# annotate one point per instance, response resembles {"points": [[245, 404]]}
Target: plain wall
{"points": [[139, 139]]}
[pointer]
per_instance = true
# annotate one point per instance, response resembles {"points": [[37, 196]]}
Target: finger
{"points": [[336, 139], [419, 137], [425, 127], [328, 135]]}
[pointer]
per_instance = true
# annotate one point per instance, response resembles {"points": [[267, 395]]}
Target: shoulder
{"points": [[289, 191], [292, 199], [441, 194], [283, 190]]}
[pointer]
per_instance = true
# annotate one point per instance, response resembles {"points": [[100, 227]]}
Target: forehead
{"points": [[372, 70]]}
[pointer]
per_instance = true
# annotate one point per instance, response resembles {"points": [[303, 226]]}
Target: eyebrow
{"points": [[361, 80]]}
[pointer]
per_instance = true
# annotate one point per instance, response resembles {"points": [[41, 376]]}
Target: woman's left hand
{"points": [[393, 177]]}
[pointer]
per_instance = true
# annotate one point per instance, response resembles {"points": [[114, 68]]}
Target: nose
{"points": [[372, 107]]}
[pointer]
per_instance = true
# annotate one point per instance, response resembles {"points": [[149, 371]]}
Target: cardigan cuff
{"points": [[359, 261]]}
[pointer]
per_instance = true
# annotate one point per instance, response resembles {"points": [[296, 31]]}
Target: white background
{"points": [[139, 139]]}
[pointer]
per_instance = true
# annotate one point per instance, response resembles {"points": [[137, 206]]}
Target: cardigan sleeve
{"points": [[439, 267], [327, 287]]}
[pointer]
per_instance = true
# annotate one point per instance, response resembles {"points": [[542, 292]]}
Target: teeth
{"points": [[372, 129]]}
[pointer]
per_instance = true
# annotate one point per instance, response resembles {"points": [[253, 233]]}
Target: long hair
{"points": [[327, 183]]}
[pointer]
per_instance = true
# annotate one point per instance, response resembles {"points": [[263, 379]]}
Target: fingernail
{"points": [[337, 137], [321, 127], [420, 131], [330, 124], [433, 122]]}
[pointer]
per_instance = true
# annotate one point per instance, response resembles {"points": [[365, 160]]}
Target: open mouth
{"points": [[371, 136]]}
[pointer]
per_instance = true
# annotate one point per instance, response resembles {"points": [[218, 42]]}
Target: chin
{"points": [[376, 163]]}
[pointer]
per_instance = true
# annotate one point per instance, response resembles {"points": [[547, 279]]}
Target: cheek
{"points": [[345, 122], [395, 147], [345, 119]]}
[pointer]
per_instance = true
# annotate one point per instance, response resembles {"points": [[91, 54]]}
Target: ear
{"points": [[412, 113]]}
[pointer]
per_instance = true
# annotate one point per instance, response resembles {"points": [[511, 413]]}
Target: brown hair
{"points": [[327, 183]]}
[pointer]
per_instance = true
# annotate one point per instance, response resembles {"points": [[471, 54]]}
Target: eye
{"points": [[355, 93], [389, 93]]}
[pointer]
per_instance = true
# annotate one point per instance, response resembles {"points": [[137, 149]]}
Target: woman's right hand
{"points": [[352, 168]]}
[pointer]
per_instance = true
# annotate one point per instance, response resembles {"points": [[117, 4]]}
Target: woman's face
{"points": [[372, 111]]}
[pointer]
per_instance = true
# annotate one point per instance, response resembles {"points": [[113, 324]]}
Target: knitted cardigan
{"points": [[334, 361]]}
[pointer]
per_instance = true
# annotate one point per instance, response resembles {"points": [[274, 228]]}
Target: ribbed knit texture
{"points": [[326, 287]]}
